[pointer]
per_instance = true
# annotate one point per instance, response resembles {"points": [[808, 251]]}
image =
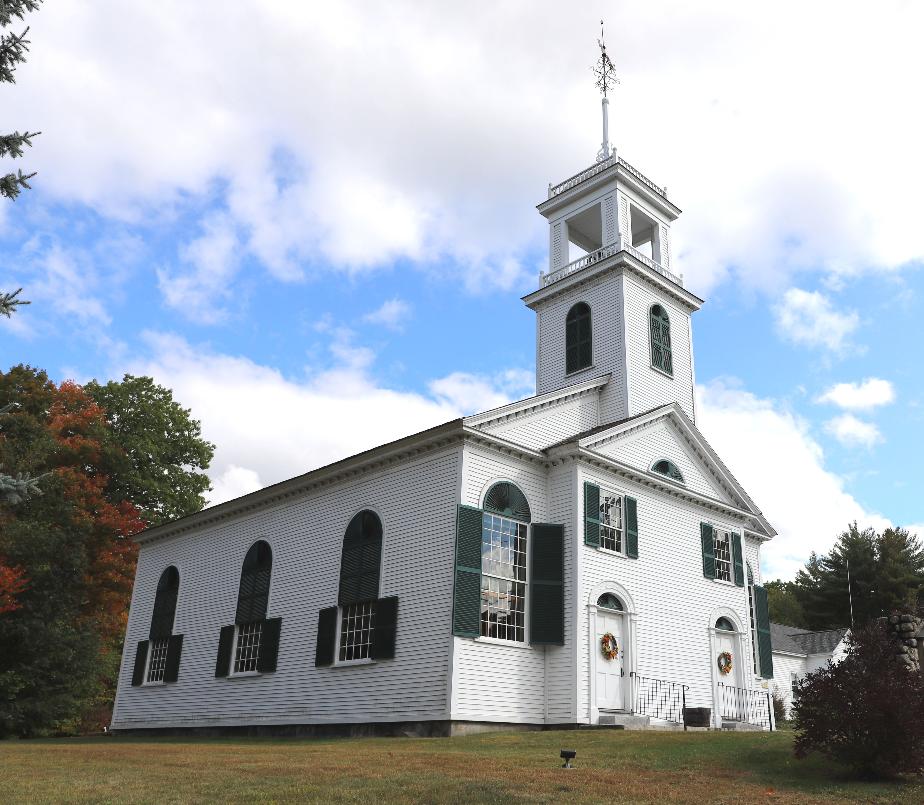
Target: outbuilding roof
{"points": [[791, 640]]}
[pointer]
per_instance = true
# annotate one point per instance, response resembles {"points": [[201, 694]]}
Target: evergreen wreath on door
{"points": [[609, 648], [725, 662]]}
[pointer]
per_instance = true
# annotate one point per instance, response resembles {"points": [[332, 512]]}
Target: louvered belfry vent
{"points": [[504, 498]]}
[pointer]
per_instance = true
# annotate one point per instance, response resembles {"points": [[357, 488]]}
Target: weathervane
{"points": [[605, 73]]}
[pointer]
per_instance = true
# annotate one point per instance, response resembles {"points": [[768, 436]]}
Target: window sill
{"points": [[244, 674], [608, 552], [668, 375], [726, 583], [578, 371], [159, 684], [353, 663], [496, 641]]}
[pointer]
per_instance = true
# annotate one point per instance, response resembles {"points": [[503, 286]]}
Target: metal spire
{"points": [[605, 73]]}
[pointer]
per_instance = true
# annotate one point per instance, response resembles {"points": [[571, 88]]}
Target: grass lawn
{"points": [[611, 766]]}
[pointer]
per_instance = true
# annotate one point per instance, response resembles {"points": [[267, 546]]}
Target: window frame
{"points": [[752, 617], [663, 326], [726, 562], [146, 679], [368, 659], [341, 607], [232, 671], [579, 342], [525, 582], [620, 496], [654, 464]]}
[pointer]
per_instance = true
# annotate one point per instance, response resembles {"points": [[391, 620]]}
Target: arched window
{"points": [[725, 625], [609, 601], [661, 340], [578, 347], [505, 498], [504, 533], [157, 659], [360, 564], [251, 645], [668, 468]]}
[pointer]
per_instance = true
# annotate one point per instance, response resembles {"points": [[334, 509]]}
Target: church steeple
{"points": [[611, 301]]}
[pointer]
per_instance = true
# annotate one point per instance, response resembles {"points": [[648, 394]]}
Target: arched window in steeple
{"points": [[660, 326], [578, 344]]}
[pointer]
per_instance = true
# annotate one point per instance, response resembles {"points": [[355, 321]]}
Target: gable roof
{"points": [[781, 638], [586, 442]]}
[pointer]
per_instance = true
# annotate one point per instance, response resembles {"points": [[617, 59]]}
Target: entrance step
{"points": [[627, 721], [741, 726]]}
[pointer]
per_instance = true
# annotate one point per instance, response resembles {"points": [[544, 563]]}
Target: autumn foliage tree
{"points": [[68, 557]]}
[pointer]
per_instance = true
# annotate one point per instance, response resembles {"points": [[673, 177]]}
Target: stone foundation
{"points": [[907, 632]]}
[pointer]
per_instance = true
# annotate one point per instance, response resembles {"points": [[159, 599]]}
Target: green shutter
{"points": [[141, 658], [269, 645], [737, 559], [547, 578], [466, 596], [174, 650], [631, 512], [223, 660], [764, 645], [708, 550], [386, 628], [326, 645], [591, 514]]}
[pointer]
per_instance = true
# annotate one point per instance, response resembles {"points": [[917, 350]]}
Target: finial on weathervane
{"points": [[605, 73]]}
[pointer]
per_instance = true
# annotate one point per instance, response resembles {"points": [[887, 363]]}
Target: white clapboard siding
{"points": [[659, 440], [416, 501], [548, 426], [784, 666], [604, 296], [752, 557], [492, 681], [674, 602], [648, 387]]}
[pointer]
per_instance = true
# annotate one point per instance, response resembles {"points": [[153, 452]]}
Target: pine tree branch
{"points": [[13, 49], [16, 8], [11, 144], [8, 305], [18, 488], [12, 184]]}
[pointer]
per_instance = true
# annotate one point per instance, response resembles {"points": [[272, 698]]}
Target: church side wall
{"points": [[493, 681], [675, 604], [648, 387], [549, 425], [604, 296], [784, 665], [416, 501]]}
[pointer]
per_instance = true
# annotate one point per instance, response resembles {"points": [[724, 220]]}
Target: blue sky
{"points": [[324, 248]]}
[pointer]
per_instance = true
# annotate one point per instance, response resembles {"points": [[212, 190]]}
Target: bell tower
{"points": [[611, 301]]}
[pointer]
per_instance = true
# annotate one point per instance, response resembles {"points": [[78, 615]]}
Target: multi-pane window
{"points": [[157, 663], [357, 623], [247, 651], [668, 468], [578, 348], [503, 578], [660, 324], [722, 543], [753, 619], [611, 521], [794, 686]]}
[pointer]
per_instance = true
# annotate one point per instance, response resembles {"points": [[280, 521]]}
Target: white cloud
{"points": [[393, 314], [864, 396], [380, 132], [269, 427], [808, 317], [774, 456], [853, 432]]}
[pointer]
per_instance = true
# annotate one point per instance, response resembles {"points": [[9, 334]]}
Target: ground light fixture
{"points": [[568, 755]]}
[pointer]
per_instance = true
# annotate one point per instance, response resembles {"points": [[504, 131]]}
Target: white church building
{"points": [[579, 557]]}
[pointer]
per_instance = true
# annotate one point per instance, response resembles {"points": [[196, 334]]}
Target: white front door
{"points": [[727, 701], [609, 672]]}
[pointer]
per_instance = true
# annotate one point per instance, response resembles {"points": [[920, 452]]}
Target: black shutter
{"points": [[386, 628], [174, 650], [631, 510], [164, 611], [253, 597], [223, 661], [361, 559], [764, 644], [327, 637], [466, 597], [141, 658], [591, 514], [737, 559], [547, 577], [269, 645], [705, 531]]}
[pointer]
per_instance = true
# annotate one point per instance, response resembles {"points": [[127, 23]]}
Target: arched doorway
{"points": [[612, 616], [727, 661]]}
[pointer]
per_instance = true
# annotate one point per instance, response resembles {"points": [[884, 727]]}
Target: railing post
{"points": [[683, 705], [769, 711]]}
